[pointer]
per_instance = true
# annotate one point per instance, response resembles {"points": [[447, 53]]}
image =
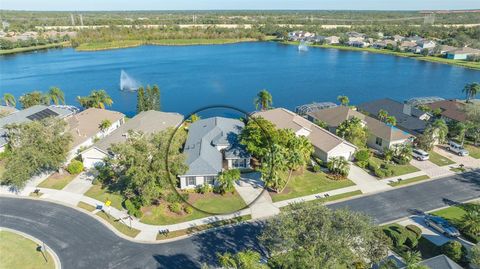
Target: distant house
{"points": [[415, 39], [85, 126], [398, 38], [356, 35], [326, 144], [212, 146], [410, 119], [381, 135], [384, 43], [332, 40], [147, 122], [407, 46], [452, 110], [358, 44], [33, 113], [462, 54], [443, 49], [306, 108], [427, 44]]}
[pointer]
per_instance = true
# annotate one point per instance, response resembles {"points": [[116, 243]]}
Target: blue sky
{"points": [[237, 4]]}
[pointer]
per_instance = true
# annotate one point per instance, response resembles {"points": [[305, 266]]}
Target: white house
{"points": [[325, 144]]}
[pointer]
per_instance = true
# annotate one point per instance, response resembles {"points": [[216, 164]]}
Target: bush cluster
{"points": [[205, 188], [455, 251], [404, 236], [133, 208], [175, 207], [75, 167]]}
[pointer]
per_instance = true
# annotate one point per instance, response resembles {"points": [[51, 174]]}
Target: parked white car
{"points": [[457, 148], [420, 155]]}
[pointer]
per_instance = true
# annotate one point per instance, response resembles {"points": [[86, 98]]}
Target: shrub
{"points": [[362, 164], [75, 167], [411, 239], [188, 210], [172, 197], [362, 155], [415, 229], [372, 165], [175, 207], [316, 168], [132, 208], [203, 189], [397, 234], [454, 250]]}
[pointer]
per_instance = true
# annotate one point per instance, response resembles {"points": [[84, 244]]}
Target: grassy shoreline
{"points": [[35, 48], [461, 63], [164, 42]]}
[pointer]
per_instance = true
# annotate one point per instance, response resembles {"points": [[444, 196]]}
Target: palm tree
{"points": [[412, 260], [104, 125], [382, 114], [226, 180], [441, 130], [391, 120], [343, 99], [338, 166], [96, 99], [471, 222], [263, 100], [9, 99], [56, 95], [471, 90]]}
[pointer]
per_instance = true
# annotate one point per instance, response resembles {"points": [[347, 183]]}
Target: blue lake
{"points": [[191, 77]]}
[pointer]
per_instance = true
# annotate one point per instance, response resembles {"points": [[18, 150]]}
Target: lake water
{"points": [[191, 77]]}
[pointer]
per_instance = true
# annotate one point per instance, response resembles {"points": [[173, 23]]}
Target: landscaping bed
{"points": [[20, 252], [439, 159], [57, 181], [396, 169], [309, 183]]}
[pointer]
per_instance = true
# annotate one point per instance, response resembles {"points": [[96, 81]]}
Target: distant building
{"points": [[384, 43], [407, 46], [303, 110], [398, 38], [462, 54], [332, 40]]}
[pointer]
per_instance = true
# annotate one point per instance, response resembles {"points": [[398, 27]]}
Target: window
{"points": [[191, 181], [239, 163], [378, 141], [210, 180]]}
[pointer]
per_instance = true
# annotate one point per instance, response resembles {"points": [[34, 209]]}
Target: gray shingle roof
{"points": [[394, 108], [441, 262], [203, 135]]}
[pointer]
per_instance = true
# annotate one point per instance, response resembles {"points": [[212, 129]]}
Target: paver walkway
{"points": [[80, 184], [366, 182]]}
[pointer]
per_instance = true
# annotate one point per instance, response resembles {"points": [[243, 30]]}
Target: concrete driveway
{"points": [[468, 161], [432, 170]]}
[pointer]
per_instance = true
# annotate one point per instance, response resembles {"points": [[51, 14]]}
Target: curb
{"points": [[56, 260]]}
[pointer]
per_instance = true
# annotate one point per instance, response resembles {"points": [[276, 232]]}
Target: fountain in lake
{"points": [[127, 83], [303, 46]]}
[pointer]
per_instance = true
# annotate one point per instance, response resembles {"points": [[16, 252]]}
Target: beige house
{"points": [[326, 144], [85, 127], [147, 122], [380, 136]]}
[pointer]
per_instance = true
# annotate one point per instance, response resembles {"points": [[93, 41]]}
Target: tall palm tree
{"points": [[412, 260], [56, 95], [382, 114], [471, 90], [391, 120], [9, 99], [97, 99], [471, 222], [263, 100], [343, 99], [441, 130]]}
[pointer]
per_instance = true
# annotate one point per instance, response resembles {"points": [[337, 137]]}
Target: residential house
{"points": [[212, 146], [427, 44], [444, 49], [38, 112], [452, 110], [7, 110], [384, 43], [147, 122], [85, 127], [440, 262], [407, 46], [356, 35], [358, 44], [398, 38], [409, 119], [462, 54], [304, 109], [332, 40], [381, 135], [416, 39], [325, 144]]}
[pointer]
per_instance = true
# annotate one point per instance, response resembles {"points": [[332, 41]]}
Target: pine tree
{"points": [[140, 100], [148, 99]]}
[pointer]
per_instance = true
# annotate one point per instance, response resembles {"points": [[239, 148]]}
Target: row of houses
{"points": [[33, 35]]}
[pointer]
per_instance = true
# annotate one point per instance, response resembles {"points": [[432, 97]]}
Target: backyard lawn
{"points": [[474, 151], [102, 195], [439, 159], [57, 181], [20, 252], [309, 183], [210, 202]]}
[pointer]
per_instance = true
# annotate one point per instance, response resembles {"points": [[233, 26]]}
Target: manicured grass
{"points": [[17, 251], [309, 183], [338, 196], [163, 42], [467, 64], [408, 181], [199, 228], [33, 48], [458, 170], [57, 181], [473, 150], [124, 229], [398, 169], [439, 159], [86, 206], [102, 195], [2, 167], [212, 203], [454, 215]]}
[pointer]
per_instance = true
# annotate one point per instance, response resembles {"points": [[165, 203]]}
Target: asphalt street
{"points": [[80, 241]]}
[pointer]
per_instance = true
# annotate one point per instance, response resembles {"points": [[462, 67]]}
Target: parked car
{"points": [[420, 155], [457, 148], [441, 225]]}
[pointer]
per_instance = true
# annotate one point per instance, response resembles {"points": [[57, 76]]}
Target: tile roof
{"points": [[286, 119]]}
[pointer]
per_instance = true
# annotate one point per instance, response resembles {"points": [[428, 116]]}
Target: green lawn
{"points": [[17, 251], [124, 229], [213, 203], [398, 169], [408, 181], [309, 183], [2, 168], [454, 215], [102, 195], [86, 206], [33, 48], [473, 150], [439, 159], [57, 181], [338, 196]]}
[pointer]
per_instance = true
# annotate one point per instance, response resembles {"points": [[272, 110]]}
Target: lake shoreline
{"points": [[433, 59], [65, 44]]}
